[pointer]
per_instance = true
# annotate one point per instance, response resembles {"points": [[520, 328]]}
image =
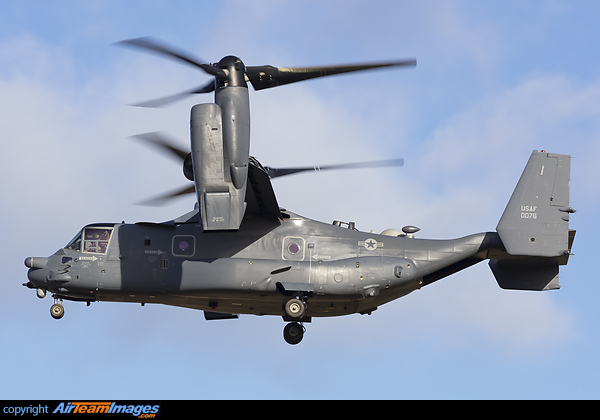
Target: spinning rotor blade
{"points": [[232, 71], [156, 103], [162, 199], [277, 172], [264, 77], [160, 141], [150, 44]]}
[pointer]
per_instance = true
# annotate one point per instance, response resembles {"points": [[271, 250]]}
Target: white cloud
{"points": [[457, 179]]}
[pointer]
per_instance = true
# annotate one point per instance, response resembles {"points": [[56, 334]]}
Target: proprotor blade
{"points": [[155, 103], [264, 77], [164, 198], [150, 44], [277, 172], [160, 140]]}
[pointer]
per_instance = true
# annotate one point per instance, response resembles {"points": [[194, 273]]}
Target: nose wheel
{"points": [[57, 310]]}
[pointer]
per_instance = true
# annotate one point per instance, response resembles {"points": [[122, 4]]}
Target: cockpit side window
{"points": [[75, 243], [95, 239]]}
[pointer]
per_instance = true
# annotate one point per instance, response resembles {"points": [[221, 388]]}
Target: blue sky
{"points": [[494, 81]]}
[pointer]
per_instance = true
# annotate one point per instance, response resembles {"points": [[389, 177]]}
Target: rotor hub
{"points": [[236, 70]]}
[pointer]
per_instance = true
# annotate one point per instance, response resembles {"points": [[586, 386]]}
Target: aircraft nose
{"points": [[36, 276]]}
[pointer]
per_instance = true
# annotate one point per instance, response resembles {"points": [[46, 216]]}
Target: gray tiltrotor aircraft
{"points": [[238, 252]]}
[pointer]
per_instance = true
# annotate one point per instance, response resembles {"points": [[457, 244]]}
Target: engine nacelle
{"points": [[219, 171]]}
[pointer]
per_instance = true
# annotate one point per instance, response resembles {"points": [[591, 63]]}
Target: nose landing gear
{"points": [[57, 310]]}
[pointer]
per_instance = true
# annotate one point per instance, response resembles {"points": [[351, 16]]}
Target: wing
{"points": [[260, 197]]}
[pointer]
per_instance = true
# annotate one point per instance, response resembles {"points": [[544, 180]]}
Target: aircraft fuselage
{"points": [[254, 270]]}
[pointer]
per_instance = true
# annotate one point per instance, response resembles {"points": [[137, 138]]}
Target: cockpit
{"points": [[93, 239]]}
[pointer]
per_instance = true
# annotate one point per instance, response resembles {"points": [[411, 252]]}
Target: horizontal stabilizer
{"points": [[525, 274]]}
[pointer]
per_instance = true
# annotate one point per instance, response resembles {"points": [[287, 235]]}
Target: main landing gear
{"points": [[294, 310], [293, 333]]}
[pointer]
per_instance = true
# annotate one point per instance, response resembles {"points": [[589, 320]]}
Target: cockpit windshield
{"points": [[91, 239]]}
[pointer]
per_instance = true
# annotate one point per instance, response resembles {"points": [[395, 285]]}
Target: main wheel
{"points": [[57, 311], [295, 308], [293, 333]]}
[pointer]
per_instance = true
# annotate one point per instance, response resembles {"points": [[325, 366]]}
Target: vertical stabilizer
{"points": [[536, 219]]}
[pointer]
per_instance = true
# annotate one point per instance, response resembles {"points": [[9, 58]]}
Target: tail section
{"points": [[534, 228], [536, 219]]}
